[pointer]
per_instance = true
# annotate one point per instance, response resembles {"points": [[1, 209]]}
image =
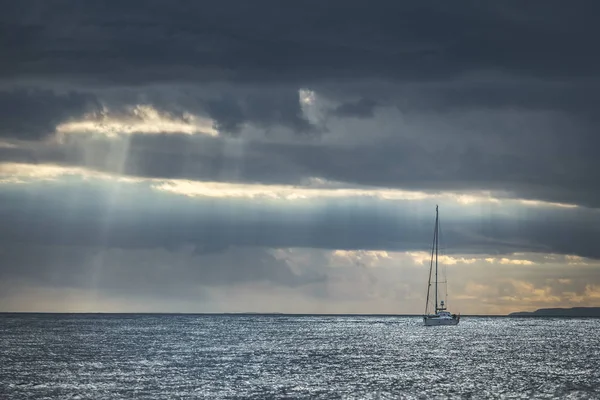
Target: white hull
{"points": [[429, 321]]}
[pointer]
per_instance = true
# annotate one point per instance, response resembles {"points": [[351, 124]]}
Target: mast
{"points": [[436, 258]]}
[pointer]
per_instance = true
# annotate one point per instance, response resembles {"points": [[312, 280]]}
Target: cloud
{"points": [[152, 270], [133, 214], [417, 57], [455, 111], [125, 43], [243, 279], [362, 108], [139, 119], [524, 155], [173, 276], [264, 109], [145, 130], [35, 114]]}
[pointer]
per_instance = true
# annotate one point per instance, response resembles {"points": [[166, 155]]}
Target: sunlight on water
{"points": [[166, 357]]}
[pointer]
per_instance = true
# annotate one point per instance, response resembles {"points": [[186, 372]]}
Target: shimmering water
{"points": [[183, 357]]}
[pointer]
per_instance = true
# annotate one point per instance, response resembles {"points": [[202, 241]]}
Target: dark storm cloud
{"points": [[362, 108], [227, 114], [244, 63], [517, 162], [540, 49], [34, 114], [337, 44], [155, 271], [131, 216], [264, 110], [542, 63], [142, 42], [575, 97], [199, 157]]}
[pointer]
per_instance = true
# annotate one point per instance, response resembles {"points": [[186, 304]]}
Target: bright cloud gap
{"points": [[138, 119], [311, 188]]}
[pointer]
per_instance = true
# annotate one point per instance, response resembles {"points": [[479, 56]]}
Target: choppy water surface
{"points": [[181, 357]]}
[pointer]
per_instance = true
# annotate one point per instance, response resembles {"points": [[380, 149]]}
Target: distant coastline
{"points": [[591, 312]]}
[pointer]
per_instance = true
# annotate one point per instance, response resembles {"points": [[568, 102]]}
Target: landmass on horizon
{"points": [[560, 312]]}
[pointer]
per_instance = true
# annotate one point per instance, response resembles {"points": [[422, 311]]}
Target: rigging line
{"points": [[445, 269], [430, 268], [437, 243]]}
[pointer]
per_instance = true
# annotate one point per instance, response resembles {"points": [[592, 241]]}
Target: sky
{"points": [[272, 156]]}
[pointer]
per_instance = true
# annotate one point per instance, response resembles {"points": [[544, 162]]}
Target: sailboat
{"points": [[440, 316]]}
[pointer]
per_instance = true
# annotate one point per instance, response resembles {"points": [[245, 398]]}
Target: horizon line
{"points": [[282, 314]]}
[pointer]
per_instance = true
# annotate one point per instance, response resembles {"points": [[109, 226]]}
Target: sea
{"points": [[103, 356]]}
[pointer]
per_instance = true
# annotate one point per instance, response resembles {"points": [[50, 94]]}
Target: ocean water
{"points": [[268, 357]]}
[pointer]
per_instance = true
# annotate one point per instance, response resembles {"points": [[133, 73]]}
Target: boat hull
{"points": [[428, 321]]}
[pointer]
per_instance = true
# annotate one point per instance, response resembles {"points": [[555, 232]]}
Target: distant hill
{"points": [[560, 312]]}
